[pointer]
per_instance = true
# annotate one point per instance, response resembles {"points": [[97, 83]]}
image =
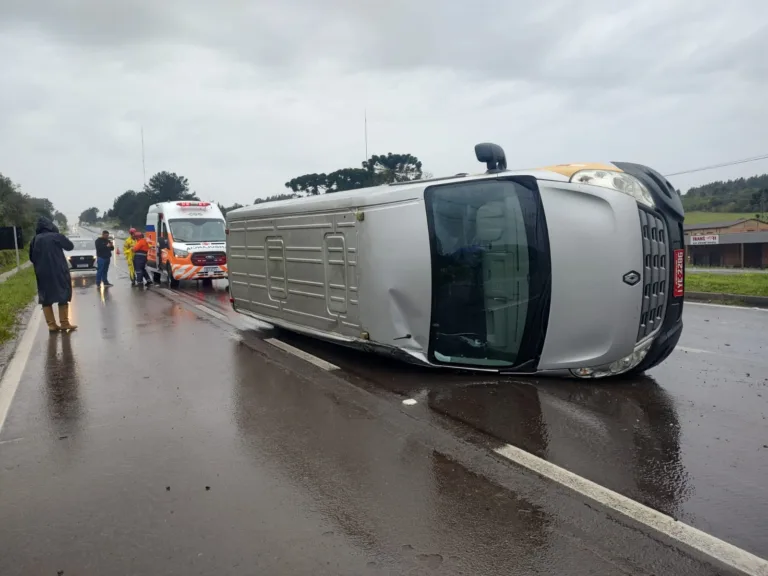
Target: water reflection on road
{"points": [[685, 439]]}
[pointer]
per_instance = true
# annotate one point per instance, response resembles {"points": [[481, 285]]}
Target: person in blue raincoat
{"points": [[54, 283]]}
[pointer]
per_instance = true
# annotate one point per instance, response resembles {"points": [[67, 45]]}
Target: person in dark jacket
{"points": [[104, 249], [54, 284]]}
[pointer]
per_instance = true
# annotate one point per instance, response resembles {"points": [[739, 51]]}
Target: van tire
{"points": [[156, 277], [172, 282]]}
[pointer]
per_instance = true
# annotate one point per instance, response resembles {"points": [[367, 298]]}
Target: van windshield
{"points": [[490, 272], [197, 230]]}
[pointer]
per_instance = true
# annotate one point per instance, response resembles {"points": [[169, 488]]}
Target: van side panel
{"points": [[300, 268], [150, 233], [396, 276]]}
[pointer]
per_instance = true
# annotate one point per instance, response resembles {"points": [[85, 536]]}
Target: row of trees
{"points": [[748, 195], [22, 210], [130, 208]]}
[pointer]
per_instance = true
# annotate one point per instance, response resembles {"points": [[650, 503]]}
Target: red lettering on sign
{"points": [[679, 288]]}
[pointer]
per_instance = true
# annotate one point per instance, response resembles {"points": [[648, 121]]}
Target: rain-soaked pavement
{"points": [[161, 440]]}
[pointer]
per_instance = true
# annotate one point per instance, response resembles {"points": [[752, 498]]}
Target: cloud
{"points": [[240, 97]]}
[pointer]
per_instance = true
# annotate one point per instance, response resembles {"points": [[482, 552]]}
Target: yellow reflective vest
{"points": [[127, 245]]}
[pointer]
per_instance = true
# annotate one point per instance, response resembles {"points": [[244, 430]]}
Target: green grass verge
{"points": [[741, 284], [8, 259], [707, 217], [15, 294]]}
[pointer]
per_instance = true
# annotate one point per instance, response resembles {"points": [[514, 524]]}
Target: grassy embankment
{"points": [[8, 259], [739, 284], [15, 294]]}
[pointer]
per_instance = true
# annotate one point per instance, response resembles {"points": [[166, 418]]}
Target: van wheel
{"points": [[173, 283], [156, 277]]}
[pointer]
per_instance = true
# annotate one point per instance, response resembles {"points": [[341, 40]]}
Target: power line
{"points": [[721, 165]]}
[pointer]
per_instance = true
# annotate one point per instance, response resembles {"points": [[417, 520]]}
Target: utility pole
{"points": [[143, 164], [366, 132], [16, 246]]}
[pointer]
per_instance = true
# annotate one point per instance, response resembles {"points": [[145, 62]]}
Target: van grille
{"points": [[656, 262]]}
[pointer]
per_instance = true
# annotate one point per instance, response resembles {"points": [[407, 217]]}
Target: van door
{"points": [[490, 272], [166, 240]]}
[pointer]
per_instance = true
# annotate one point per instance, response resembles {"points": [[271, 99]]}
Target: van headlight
{"points": [[619, 366], [180, 253], [619, 181]]}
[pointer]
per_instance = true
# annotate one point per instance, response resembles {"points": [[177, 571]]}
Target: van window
{"points": [[488, 275], [197, 230]]}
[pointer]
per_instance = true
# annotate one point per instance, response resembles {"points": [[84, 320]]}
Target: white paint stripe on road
{"points": [[723, 354], [211, 311], [319, 362], [689, 303], [693, 350], [15, 370], [713, 547]]}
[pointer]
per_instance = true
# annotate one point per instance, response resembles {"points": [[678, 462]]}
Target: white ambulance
{"points": [[187, 241]]}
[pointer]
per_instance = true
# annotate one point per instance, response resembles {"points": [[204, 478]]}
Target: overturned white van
{"points": [[570, 269]]}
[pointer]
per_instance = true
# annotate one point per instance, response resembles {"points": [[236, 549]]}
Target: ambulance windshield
{"points": [[197, 230]]}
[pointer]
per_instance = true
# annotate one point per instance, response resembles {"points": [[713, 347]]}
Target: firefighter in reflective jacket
{"points": [[140, 250], [129, 243]]}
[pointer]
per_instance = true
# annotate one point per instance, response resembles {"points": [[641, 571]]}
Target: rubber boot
{"points": [[64, 318], [50, 319]]}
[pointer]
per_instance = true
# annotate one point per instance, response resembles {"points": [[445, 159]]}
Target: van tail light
{"points": [[226, 231]]}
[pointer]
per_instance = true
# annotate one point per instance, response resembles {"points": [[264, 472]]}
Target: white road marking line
{"points": [[211, 311], [683, 533], [319, 362], [409, 402], [15, 370], [723, 354], [693, 350], [689, 303]]}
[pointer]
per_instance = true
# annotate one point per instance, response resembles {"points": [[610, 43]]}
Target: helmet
{"points": [[132, 231]]}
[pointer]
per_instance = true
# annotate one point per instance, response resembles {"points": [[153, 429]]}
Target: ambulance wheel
{"points": [[172, 282], [156, 277]]}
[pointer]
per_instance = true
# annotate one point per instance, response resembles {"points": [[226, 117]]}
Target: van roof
{"points": [[182, 206], [403, 191]]}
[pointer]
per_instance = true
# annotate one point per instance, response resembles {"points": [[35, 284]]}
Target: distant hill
{"points": [[695, 217], [744, 195]]}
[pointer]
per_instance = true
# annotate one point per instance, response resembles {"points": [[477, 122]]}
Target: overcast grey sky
{"points": [[241, 96]]}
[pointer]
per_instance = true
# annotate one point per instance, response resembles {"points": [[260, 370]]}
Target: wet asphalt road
{"points": [[155, 440]]}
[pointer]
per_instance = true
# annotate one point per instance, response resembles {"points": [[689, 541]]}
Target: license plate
{"points": [[210, 269], [679, 288], [82, 265]]}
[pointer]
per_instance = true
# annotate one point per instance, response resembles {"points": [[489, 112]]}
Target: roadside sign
{"points": [[10, 238], [705, 239]]}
